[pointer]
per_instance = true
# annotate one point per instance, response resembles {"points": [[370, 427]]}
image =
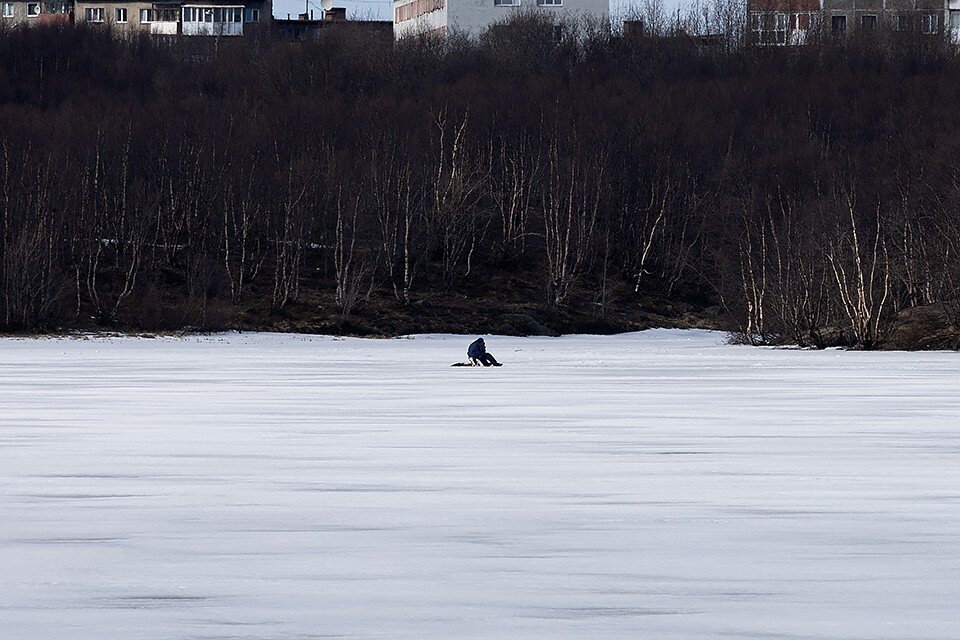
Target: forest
{"points": [[528, 180]]}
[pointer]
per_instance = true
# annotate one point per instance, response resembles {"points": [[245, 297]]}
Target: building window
{"points": [[899, 23], [227, 14], [146, 16], [955, 21], [33, 9], [868, 22], [210, 15], [838, 25], [929, 23], [550, 3], [801, 25], [221, 15], [7, 9], [93, 14], [780, 27], [506, 3], [769, 28], [120, 15]]}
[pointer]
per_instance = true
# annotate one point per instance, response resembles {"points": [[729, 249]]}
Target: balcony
{"points": [[55, 18], [205, 20], [163, 28]]}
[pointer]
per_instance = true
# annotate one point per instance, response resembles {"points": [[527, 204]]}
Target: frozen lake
{"points": [[651, 486]]}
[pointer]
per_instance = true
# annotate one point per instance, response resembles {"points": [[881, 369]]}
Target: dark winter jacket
{"points": [[476, 348]]}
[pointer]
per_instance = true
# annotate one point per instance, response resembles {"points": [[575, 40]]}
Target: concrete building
{"points": [[201, 18], [474, 16], [35, 12], [846, 16], [795, 22]]}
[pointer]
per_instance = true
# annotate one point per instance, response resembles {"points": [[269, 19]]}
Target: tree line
{"points": [[810, 192]]}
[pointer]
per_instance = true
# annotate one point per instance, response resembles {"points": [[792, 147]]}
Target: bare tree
{"points": [[862, 271], [458, 193], [571, 203]]}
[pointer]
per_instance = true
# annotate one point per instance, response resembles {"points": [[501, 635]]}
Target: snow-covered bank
{"points": [[655, 485]]}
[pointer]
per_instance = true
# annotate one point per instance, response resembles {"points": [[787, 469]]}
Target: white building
{"points": [[473, 16]]}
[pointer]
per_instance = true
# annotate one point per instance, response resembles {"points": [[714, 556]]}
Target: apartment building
{"points": [[473, 16], [923, 16], [35, 12], [202, 18], [794, 22]]}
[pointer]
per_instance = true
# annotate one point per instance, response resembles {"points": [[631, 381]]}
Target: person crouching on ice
{"points": [[477, 352]]}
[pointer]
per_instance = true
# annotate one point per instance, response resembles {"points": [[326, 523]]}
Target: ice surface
{"points": [[655, 485]]}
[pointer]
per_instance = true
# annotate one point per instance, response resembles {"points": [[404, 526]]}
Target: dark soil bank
{"points": [[452, 312]]}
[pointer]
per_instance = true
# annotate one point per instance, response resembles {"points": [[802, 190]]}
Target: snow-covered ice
{"points": [[657, 485]]}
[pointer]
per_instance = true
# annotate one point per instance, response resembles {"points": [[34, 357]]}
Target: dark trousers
{"points": [[486, 360]]}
